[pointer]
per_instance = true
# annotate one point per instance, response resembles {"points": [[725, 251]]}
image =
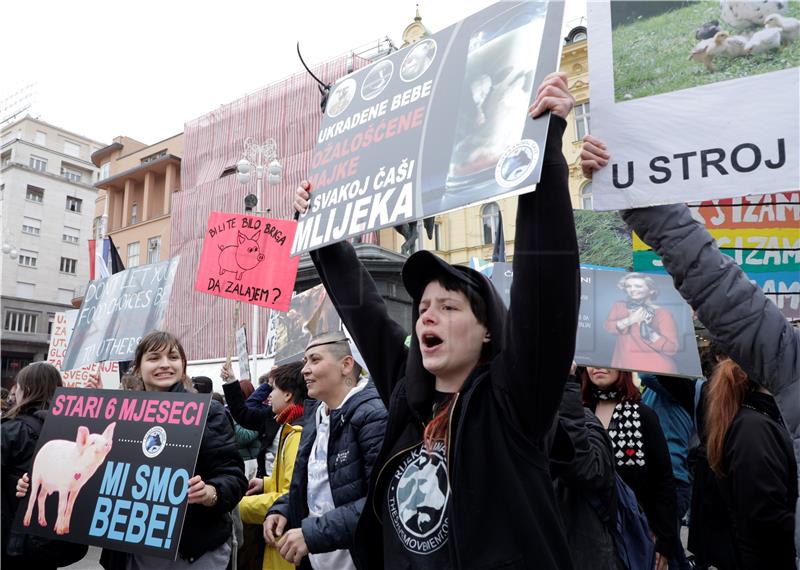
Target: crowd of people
{"points": [[479, 443]]}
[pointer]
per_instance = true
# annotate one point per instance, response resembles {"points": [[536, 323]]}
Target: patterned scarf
{"points": [[289, 414], [625, 431], [605, 394]]}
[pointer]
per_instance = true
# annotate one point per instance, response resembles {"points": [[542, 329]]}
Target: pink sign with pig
{"points": [[247, 258]]}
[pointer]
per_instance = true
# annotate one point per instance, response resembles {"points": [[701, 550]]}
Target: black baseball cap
{"points": [[423, 267]]}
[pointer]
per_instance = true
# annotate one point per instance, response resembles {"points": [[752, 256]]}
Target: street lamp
{"points": [[260, 158], [10, 250]]}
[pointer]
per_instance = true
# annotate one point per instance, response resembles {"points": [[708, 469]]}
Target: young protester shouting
{"points": [[640, 451], [313, 526], [21, 425], [750, 329], [462, 479]]}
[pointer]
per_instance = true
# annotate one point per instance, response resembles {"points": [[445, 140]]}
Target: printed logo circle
{"points": [[516, 163], [418, 60], [154, 441], [341, 96], [377, 79]]}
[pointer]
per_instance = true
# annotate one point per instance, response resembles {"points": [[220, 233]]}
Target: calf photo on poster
{"points": [[433, 127], [695, 100], [635, 321], [111, 469]]}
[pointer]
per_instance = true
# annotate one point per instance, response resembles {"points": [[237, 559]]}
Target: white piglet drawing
{"points": [[64, 467]]}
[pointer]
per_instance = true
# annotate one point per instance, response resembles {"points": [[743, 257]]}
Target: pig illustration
{"points": [[64, 467], [243, 256]]}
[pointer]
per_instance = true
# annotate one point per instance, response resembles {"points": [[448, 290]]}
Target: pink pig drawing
{"points": [[64, 467], [243, 256]]}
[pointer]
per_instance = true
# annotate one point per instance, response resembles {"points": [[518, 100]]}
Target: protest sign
{"points": [[311, 313], [435, 126], [680, 130], [111, 469], [118, 311], [247, 258], [761, 233], [633, 321], [241, 351], [63, 323]]}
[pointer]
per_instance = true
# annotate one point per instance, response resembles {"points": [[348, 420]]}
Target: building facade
{"points": [[47, 202], [470, 232], [135, 196]]}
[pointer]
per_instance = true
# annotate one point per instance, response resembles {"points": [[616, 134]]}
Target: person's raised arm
{"points": [[353, 292], [543, 315]]}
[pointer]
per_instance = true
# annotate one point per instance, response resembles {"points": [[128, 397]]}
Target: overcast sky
{"points": [[142, 68]]}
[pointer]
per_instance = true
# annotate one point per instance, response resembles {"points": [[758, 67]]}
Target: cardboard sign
{"points": [[247, 258], [683, 129], [435, 126], [63, 324], [241, 351], [118, 311], [633, 321], [761, 233], [311, 313], [112, 468]]}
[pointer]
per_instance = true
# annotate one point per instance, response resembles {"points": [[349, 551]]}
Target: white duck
{"points": [[764, 41], [735, 46], [789, 27], [706, 50]]}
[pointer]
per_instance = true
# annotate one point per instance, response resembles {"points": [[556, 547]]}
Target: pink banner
{"points": [[247, 258]]}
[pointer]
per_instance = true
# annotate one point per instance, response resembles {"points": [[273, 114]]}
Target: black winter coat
{"points": [[356, 435], [220, 465], [503, 509]]}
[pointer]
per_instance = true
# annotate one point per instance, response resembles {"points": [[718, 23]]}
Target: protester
{"points": [[248, 440], [758, 338], [21, 426], [313, 526], [203, 385], [286, 401], [463, 476], [642, 456]]}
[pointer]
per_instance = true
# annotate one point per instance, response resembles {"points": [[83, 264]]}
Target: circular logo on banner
{"points": [[341, 96], [377, 79], [418, 60], [154, 441], [418, 495], [516, 163]]}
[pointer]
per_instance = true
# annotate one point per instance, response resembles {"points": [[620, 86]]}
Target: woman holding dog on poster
{"points": [[462, 477]]}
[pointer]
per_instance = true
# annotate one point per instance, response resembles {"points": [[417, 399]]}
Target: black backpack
{"points": [[27, 549]]}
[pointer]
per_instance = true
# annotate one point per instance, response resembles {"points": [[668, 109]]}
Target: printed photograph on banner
{"points": [[241, 353], [247, 258], [635, 321], [694, 100], [668, 46], [435, 126], [118, 311], [63, 323], [762, 235], [111, 469]]}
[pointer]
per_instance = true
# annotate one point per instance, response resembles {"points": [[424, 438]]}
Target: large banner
{"points": [[761, 233], [63, 323], [248, 259], [111, 469], [692, 109], [435, 126], [118, 311]]}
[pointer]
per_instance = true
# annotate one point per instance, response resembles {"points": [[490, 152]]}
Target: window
{"points": [[153, 249], [31, 226], [5, 159], [71, 235], [27, 258], [74, 204], [38, 163], [41, 138], [97, 228], [34, 194], [586, 196], [69, 265], [51, 318], [133, 254], [105, 170], [65, 296], [582, 120], [134, 213], [71, 148], [25, 290], [438, 245], [490, 216], [156, 156], [17, 321], [71, 174]]}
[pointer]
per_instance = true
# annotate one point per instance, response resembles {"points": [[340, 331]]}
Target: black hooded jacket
{"points": [[503, 510]]}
